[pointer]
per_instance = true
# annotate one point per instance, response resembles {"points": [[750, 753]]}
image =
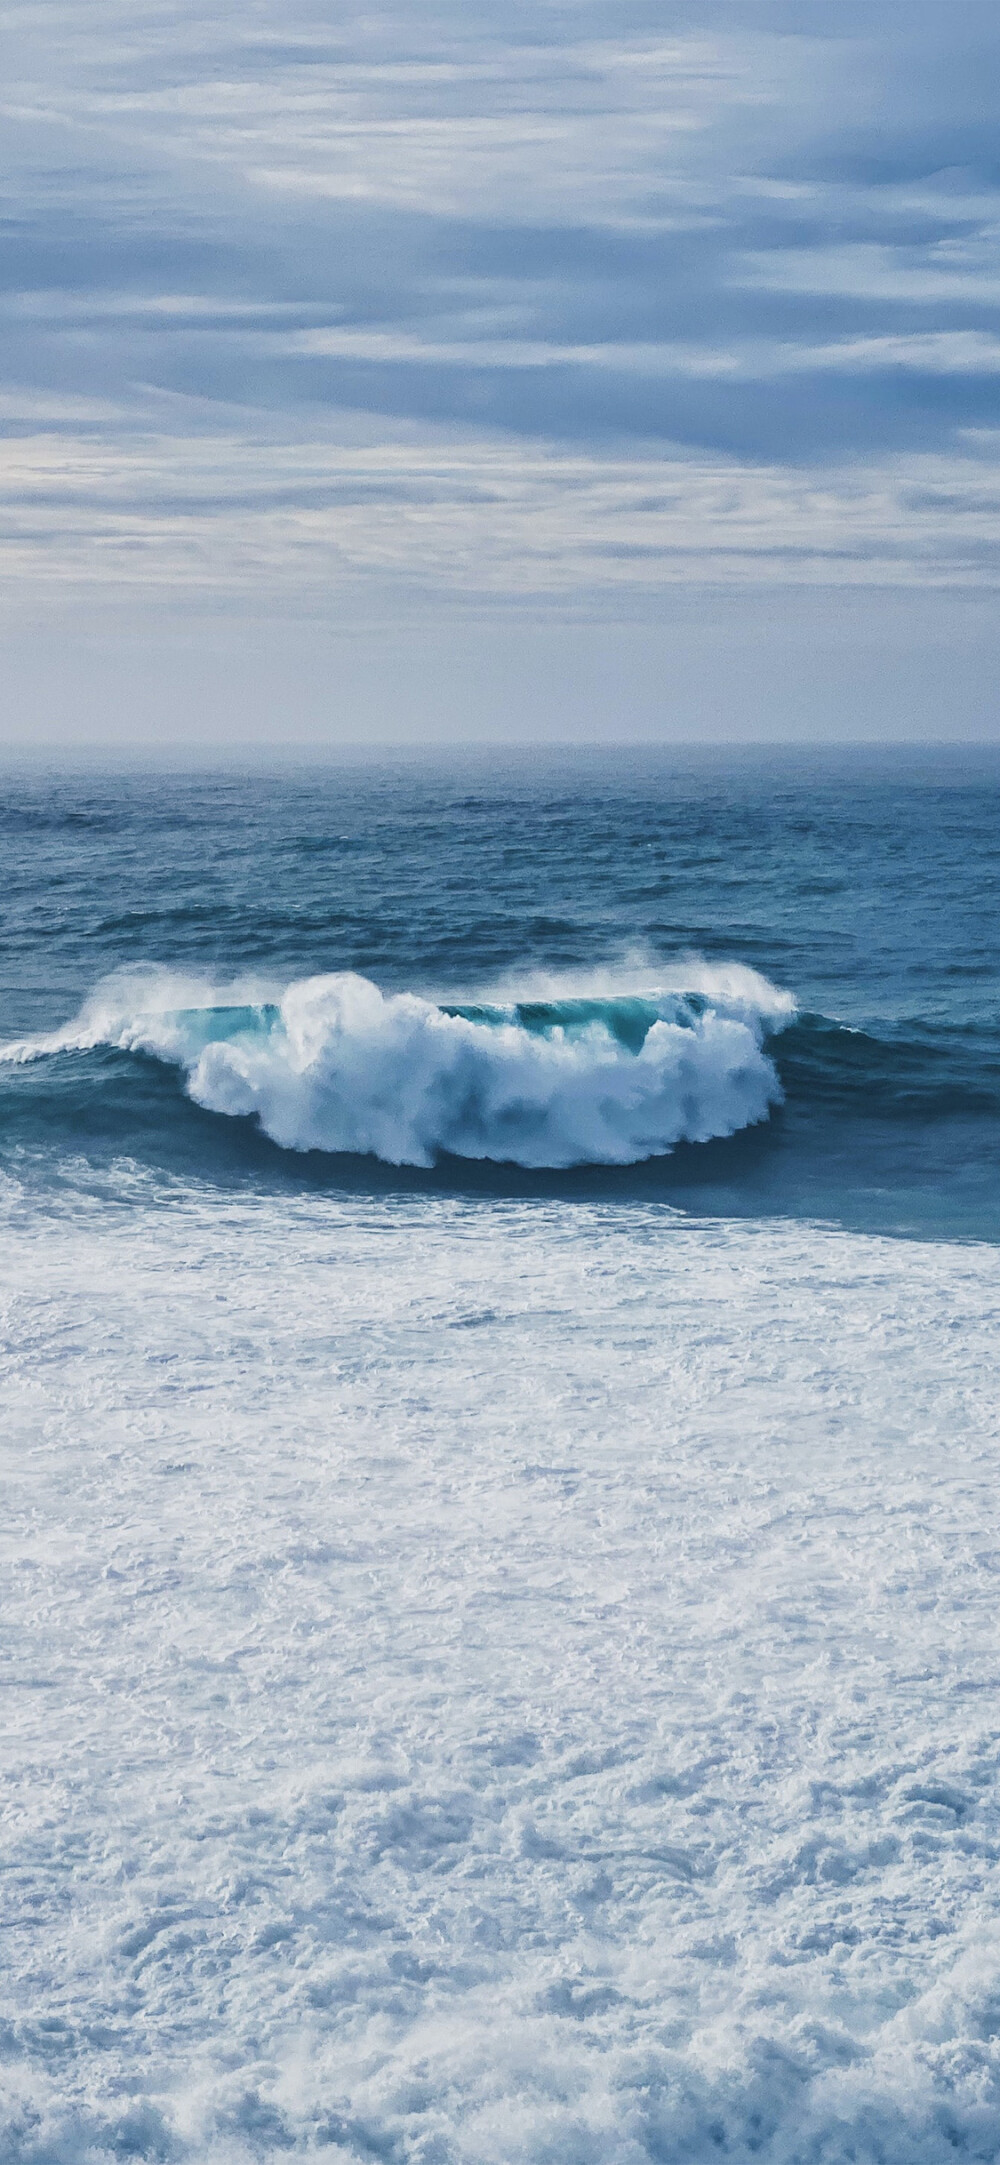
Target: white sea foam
{"points": [[335, 1064], [495, 1686]]}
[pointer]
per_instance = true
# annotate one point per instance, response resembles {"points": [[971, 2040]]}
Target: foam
{"points": [[498, 1687], [333, 1063]]}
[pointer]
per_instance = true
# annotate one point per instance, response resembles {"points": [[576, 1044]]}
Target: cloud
{"points": [[307, 521], [510, 302]]}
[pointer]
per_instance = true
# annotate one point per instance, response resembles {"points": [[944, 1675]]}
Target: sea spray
{"points": [[333, 1063]]}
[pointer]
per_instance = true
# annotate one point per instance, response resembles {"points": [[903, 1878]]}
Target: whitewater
{"points": [[499, 1325], [511, 1689], [330, 1063]]}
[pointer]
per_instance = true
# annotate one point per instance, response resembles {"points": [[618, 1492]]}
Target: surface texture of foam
{"points": [[509, 1689]]}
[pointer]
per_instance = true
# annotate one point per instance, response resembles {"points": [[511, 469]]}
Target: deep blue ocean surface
{"points": [[865, 886]]}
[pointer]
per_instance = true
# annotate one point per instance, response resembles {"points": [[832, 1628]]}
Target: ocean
{"points": [[500, 1285]]}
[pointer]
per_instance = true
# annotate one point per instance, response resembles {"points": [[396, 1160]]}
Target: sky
{"points": [[528, 373]]}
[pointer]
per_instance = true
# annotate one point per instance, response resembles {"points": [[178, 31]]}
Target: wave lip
{"points": [[332, 1063]]}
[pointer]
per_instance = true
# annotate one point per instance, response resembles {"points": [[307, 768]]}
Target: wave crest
{"points": [[332, 1063]]}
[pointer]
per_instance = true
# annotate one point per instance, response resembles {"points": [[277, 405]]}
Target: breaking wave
{"points": [[596, 1071]]}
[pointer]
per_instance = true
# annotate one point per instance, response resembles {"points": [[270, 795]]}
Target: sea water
{"points": [[500, 1276]]}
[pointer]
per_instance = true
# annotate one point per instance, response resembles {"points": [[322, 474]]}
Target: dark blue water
{"points": [[867, 886]]}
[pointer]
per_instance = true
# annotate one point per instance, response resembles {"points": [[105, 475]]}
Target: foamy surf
{"points": [[496, 1687], [585, 1073]]}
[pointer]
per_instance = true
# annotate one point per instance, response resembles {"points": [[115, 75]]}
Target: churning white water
{"points": [[493, 1688], [332, 1063]]}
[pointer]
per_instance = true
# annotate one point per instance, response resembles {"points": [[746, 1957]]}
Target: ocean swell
{"points": [[594, 1074]]}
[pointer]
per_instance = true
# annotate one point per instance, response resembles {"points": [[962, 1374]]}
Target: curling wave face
{"points": [[594, 1072]]}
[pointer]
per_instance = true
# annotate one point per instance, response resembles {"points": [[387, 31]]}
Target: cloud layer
{"points": [[518, 303]]}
